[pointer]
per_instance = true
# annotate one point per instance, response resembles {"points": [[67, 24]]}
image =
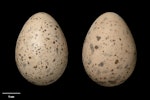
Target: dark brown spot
{"points": [[116, 61], [98, 38], [51, 73], [57, 26], [29, 57], [101, 82], [61, 63], [28, 63], [44, 30], [112, 82], [120, 39], [126, 51], [113, 40], [92, 48], [101, 64], [53, 60], [96, 47], [53, 42], [89, 62], [51, 25], [112, 70], [48, 38], [57, 50], [35, 66], [46, 67]]}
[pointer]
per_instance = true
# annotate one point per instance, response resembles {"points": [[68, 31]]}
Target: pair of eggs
{"points": [[109, 51]]}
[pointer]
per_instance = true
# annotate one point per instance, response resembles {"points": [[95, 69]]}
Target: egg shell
{"points": [[109, 51], [41, 52]]}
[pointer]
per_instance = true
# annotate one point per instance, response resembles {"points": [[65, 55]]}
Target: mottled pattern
{"points": [[41, 50], [110, 49]]}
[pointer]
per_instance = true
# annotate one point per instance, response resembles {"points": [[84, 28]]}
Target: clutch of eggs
{"points": [[41, 52], [109, 51]]}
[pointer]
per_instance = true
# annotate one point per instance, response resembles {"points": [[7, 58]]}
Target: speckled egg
{"points": [[109, 51], [41, 52]]}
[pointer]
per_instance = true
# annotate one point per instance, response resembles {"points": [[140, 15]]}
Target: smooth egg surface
{"points": [[109, 51], [41, 52]]}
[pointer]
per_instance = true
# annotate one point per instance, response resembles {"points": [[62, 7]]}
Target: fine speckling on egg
{"points": [[109, 51], [41, 50]]}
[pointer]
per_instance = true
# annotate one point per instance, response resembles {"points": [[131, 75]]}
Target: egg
{"points": [[41, 52], [109, 51]]}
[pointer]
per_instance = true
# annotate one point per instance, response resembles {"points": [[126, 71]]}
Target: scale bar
{"points": [[11, 93]]}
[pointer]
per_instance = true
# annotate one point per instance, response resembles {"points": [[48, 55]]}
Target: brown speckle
{"points": [[96, 47], [44, 30], [112, 82], [51, 25], [51, 73], [116, 61], [92, 48], [101, 64], [53, 42], [48, 38], [53, 60], [126, 51], [57, 26], [57, 50], [126, 66], [46, 67], [101, 82], [89, 62], [29, 57], [35, 66], [98, 38], [120, 39]]}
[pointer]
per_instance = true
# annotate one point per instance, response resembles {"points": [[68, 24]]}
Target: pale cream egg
{"points": [[109, 51], [41, 52]]}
